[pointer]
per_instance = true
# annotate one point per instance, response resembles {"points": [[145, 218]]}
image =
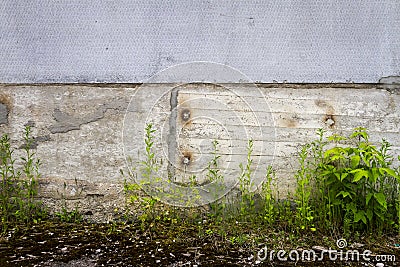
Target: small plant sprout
{"points": [[245, 182], [149, 165], [269, 201], [213, 171]]}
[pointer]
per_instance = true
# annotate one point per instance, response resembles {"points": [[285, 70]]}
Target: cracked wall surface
{"points": [[78, 129], [77, 136]]}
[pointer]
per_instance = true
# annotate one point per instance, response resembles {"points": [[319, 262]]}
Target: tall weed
{"points": [[18, 187]]}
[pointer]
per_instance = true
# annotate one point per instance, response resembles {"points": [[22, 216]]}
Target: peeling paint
{"points": [[67, 122], [36, 141]]}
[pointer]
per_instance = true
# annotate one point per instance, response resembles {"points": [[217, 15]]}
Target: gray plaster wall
{"points": [[129, 41], [83, 133]]}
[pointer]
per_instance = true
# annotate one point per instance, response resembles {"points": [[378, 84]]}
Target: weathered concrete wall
{"points": [[84, 132]]}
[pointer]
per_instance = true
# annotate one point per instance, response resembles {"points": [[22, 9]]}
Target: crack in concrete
{"points": [[3, 114], [172, 144]]}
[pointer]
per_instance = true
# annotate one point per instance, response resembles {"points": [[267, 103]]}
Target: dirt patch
{"points": [[61, 244]]}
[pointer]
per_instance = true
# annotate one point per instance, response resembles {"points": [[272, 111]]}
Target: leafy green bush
{"points": [[354, 186]]}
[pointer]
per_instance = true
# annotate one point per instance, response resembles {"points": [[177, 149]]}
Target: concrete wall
{"points": [[85, 132]]}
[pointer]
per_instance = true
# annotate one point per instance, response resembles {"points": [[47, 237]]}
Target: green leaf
{"points": [[368, 198], [379, 157], [373, 175], [380, 197], [343, 175], [360, 215], [332, 151], [344, 194], [352, 207], [336, 138], [359, 174], [366, 157], [359, 132], [355, 161], [389, 171], [336, 157]]}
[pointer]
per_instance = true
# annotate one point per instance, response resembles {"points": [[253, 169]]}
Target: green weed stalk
{"points": [[245, 183], [304, 215], [269, 215]]}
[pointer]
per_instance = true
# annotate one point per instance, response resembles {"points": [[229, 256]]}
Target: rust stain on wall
{"points": [[291, 121], [329, 118], [6, 100], [185, 115], [187, 158]]}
